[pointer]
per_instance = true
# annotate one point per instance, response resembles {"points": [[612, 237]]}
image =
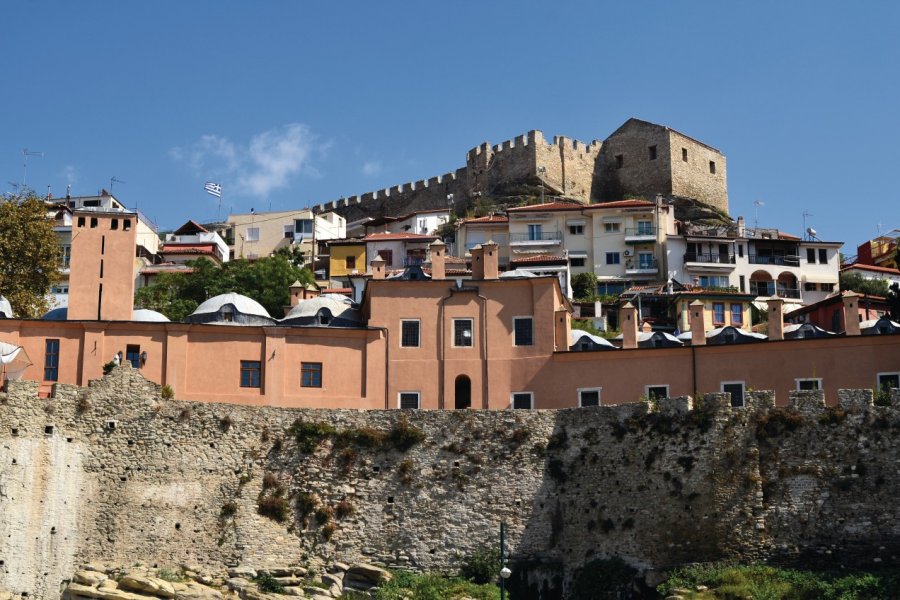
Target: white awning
{"points": [[577, 253], [575, 221], [14, 360], [816, 278]]}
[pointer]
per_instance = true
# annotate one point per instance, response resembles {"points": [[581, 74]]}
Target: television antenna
{"points": [[756, 205], [113, 180], [807, 230], [26, 153]]}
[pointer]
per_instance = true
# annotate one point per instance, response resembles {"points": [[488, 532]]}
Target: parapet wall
{"points": [[116, 474]]}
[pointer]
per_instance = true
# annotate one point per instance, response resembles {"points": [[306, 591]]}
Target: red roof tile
{"points": [[487, 219], [872, 268], [623, 204], [548, 206], [397, 237], [540, 259]]}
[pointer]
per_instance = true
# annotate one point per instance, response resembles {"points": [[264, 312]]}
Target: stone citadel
{"points": [[638, 159], [116, 474]]}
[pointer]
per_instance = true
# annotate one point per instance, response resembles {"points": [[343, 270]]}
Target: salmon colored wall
{"points": [[115, 249]]}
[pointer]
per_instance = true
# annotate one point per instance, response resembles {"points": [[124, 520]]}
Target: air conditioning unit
{"points": [[627, 253]]}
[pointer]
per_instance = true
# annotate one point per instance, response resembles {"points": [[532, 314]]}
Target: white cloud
{"points": [[264, 164], [371, 167], [70, 172]]}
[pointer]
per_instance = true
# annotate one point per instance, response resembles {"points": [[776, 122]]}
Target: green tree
{"points": [[584, 287], [267, 280], [893, 299], [29, 255], [859, 284]]}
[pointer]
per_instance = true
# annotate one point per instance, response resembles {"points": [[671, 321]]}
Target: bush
{"points": [[482, 566], [228, 509], [309, 435], [108, 367], [225, 423], [83, 406], [166, 392], [170, 575], [344, 509], [324, 514], [270, 481], [273, 506], [306, 503], [268, 584], [328, 531], [405, 585], [404, 436]]}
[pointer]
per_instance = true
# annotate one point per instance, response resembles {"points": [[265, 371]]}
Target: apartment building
{"points": [[256, 235], [423, 222]]}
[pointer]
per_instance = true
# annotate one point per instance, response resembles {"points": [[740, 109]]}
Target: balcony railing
{"points": [[702, 257], [632, 266], [786, 260], [769, 288], [640, 231], [544, 236]]}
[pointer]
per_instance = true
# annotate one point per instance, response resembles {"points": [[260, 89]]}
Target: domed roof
{"points": [[145, 314], [517, 274], [5, 308], [338, 305], [57, 314], [242, 304]]}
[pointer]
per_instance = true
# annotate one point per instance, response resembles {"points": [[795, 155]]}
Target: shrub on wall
{"points": [[482, 566]]}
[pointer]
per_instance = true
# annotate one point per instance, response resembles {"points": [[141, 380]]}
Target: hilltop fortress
{"points": [[637, 159]]}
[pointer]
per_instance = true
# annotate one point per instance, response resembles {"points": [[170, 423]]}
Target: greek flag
{"points": [[213, 188]]}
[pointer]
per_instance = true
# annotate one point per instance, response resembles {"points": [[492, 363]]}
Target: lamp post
{"points": [[541, 172], [504, 570]]}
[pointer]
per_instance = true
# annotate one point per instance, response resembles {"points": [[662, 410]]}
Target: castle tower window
{"points": [[115, 224], [651, 150], [712, 167], [81, 221], [126, 225], [684, 154], [93, 222], [620, 161]]}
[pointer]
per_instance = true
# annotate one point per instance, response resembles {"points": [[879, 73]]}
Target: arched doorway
{"points": [[463, 392]]}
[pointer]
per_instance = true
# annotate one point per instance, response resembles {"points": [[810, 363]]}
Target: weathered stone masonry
{"points": [[116, 474]]}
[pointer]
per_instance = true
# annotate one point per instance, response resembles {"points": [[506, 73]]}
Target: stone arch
{"points": [[462, 392]]}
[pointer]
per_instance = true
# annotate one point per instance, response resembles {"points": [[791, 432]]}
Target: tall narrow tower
{"points": [[101, 280]]}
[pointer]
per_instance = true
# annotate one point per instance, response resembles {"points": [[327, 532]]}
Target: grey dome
{"points": [[147, 315], [57, 314], [331, 310], [230, 308]]}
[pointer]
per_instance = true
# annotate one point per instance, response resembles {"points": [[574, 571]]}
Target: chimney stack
{"points": [[378, 268], [628, 323], [776, 318], [698, 328], [851, 313], [477, 262], [491, 260], [438, 255]]}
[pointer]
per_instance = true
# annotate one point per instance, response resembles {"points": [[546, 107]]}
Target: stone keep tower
{"points": [[101, 282]]}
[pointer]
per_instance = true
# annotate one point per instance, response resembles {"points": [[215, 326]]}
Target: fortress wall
{"points": [[124, 477]]}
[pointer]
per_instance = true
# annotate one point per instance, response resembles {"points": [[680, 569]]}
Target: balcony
{"points": [[705, 261], [787, 260], [641, 267], [769, 288], [545, 238], [640, 235]]}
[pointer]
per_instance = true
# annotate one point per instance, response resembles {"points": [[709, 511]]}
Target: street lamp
{"points": [[541, 172], [504, 570]]}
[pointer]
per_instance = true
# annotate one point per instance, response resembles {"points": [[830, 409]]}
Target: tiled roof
{"points": [[191, 227], [872, 268], [540, 259], [397, 237], [623, 204], [548, 206], [454, 260], [487, 219], [337, 291]]}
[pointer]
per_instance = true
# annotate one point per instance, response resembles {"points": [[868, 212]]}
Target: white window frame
{"points": [[512, 398], [656, 385], [818, 381], [612, 227], [599, 391], [248, 237], [743, 385], [418, 399], [878, 377], [471, 331], [418, 323], [514, 319]]}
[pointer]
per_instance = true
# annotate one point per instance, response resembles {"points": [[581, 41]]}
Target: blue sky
{"points": [[292, 103]]}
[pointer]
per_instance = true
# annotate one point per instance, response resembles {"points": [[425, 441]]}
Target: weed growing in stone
{"points": [[166, 392], [306, 504], [228, 510], [268, 584], [328, 531], [344, 509]]}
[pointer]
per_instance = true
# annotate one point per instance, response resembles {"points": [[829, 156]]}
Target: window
{"points": [[589, 397], [713, 281], [811, 255], [809, 384], [93, 222], [684, 154], [303, 227], [823, 256], [612, 227], [718, 313], [886, 381], [311, 374], [736, 390], [133, 355], [743, 281], [645, 227], [126, 225], [534, 232], [576, 261], [115, 224], [712, 167], [65, 255], [613, 258], [522, 400], [81, 221], [656, 391], [809, 287], [576, 229], [651, 150], [620, 161], [351, 262], [737, 314], [250, 373], [826, 287], [409, 333], [51, 360], [741, 250], [646, 260], [387, 256], [523, 331], [252, 234], [408, 400], [462, 333]]}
